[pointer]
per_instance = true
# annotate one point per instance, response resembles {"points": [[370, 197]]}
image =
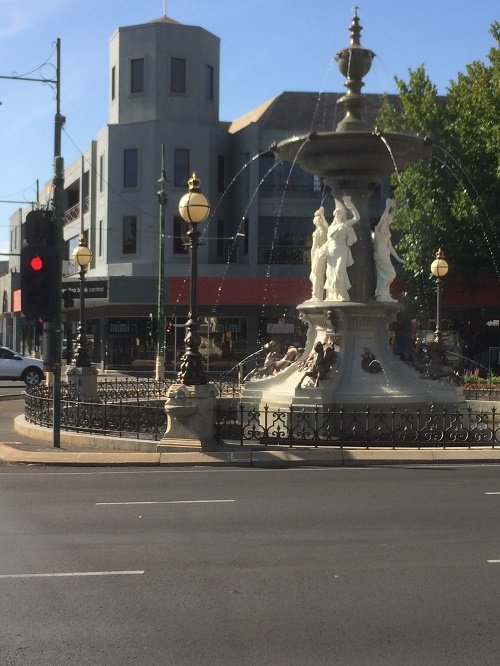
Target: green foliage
{"points": [[471, 378], [453, 201]]}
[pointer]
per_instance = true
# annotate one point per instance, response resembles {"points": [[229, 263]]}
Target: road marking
{"points": [[493, 561], [217, 501], [492, 493], [73, 574]]}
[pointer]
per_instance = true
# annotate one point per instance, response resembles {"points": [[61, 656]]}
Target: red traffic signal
{"points": [[36, 263], [40, 269]]}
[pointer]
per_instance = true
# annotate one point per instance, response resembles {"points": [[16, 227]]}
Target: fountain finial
{"points": [[355, 28], [354, 62]]}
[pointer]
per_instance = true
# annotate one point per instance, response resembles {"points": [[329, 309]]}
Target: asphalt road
{"points": [[343, 566], [8, 387]]}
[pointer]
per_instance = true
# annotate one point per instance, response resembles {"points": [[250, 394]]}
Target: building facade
{"points": [[164, 80]]}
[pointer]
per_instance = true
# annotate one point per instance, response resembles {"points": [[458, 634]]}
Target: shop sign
{"points": [[93, 289], [119, 327], [281, 329]]}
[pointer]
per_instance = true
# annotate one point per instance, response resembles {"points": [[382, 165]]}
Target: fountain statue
{"points": [[383, 250], [351, 267]]}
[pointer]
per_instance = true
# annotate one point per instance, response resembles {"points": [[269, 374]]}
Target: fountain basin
{"points": [[344, 154]]}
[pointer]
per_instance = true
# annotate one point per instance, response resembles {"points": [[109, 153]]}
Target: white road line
{"points": [[493, 561], [217, 501], [74, 574], [492, 493]]}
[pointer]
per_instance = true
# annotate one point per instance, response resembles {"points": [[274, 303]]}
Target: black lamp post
{"points": [[82, 255], [160, 334], [194, 208], [439, 268]]}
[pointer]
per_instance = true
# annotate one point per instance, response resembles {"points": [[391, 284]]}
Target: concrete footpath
{"points": [[21, 443]]}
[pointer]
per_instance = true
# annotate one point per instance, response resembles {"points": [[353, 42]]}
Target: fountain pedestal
{"points": [[366, 372]]}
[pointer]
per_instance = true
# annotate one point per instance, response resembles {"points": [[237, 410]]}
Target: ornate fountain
{"points": [[348, 359]]}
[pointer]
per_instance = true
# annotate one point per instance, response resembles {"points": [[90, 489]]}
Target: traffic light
{"points": [[39, 227], [39, 272]]}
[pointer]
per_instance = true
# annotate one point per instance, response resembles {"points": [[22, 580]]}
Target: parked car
{"points": [[16, 366]]}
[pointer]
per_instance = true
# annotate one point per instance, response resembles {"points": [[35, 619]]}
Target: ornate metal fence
{"points": [[124, 407], [482, 392], [146, 387], [134, 407], [424, 427], [138, 416]]}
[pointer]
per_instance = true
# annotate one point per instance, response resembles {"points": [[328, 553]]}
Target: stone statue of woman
{"points": [[382, 252], [340, 238], [318, 256]]}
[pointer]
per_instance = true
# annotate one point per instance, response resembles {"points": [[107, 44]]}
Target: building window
{"points": [[220, 238], [220, 173], [113, 83], [209, 82], [245, 240], [130, 167], [129, 234], [181, 240], [226, 337], [277, 176], [246, 177], [69, 247], [178, 75], [101, 173], [137, 75], [181, 167], [287, 244], [99, 244]]}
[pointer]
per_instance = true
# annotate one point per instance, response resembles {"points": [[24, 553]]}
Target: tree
{"points": [[453, 201]]}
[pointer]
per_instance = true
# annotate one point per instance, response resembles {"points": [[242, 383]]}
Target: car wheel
{"points": [[32, 376]]}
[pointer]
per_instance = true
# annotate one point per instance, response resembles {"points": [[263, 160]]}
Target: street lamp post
{"points": [[160, 333], [82, 255], [439, 268], [194, 208]]}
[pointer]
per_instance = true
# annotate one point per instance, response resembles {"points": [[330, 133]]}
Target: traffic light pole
{"points": [[58, 241], [57, 237], [57, 346]]}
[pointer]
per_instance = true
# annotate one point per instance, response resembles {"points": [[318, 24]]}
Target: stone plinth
{"points": [[190, 414], [84, 380]]}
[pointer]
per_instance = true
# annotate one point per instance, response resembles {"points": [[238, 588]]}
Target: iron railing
{"points": [[481, 391], [137, 417], [134, 407], [369, 427], [124, 406]]}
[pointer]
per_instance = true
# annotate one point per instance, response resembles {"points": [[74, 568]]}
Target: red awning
{"points": [[241, 291]]}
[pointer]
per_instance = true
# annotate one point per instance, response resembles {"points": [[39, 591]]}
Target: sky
{"points": [[267, 47]]}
